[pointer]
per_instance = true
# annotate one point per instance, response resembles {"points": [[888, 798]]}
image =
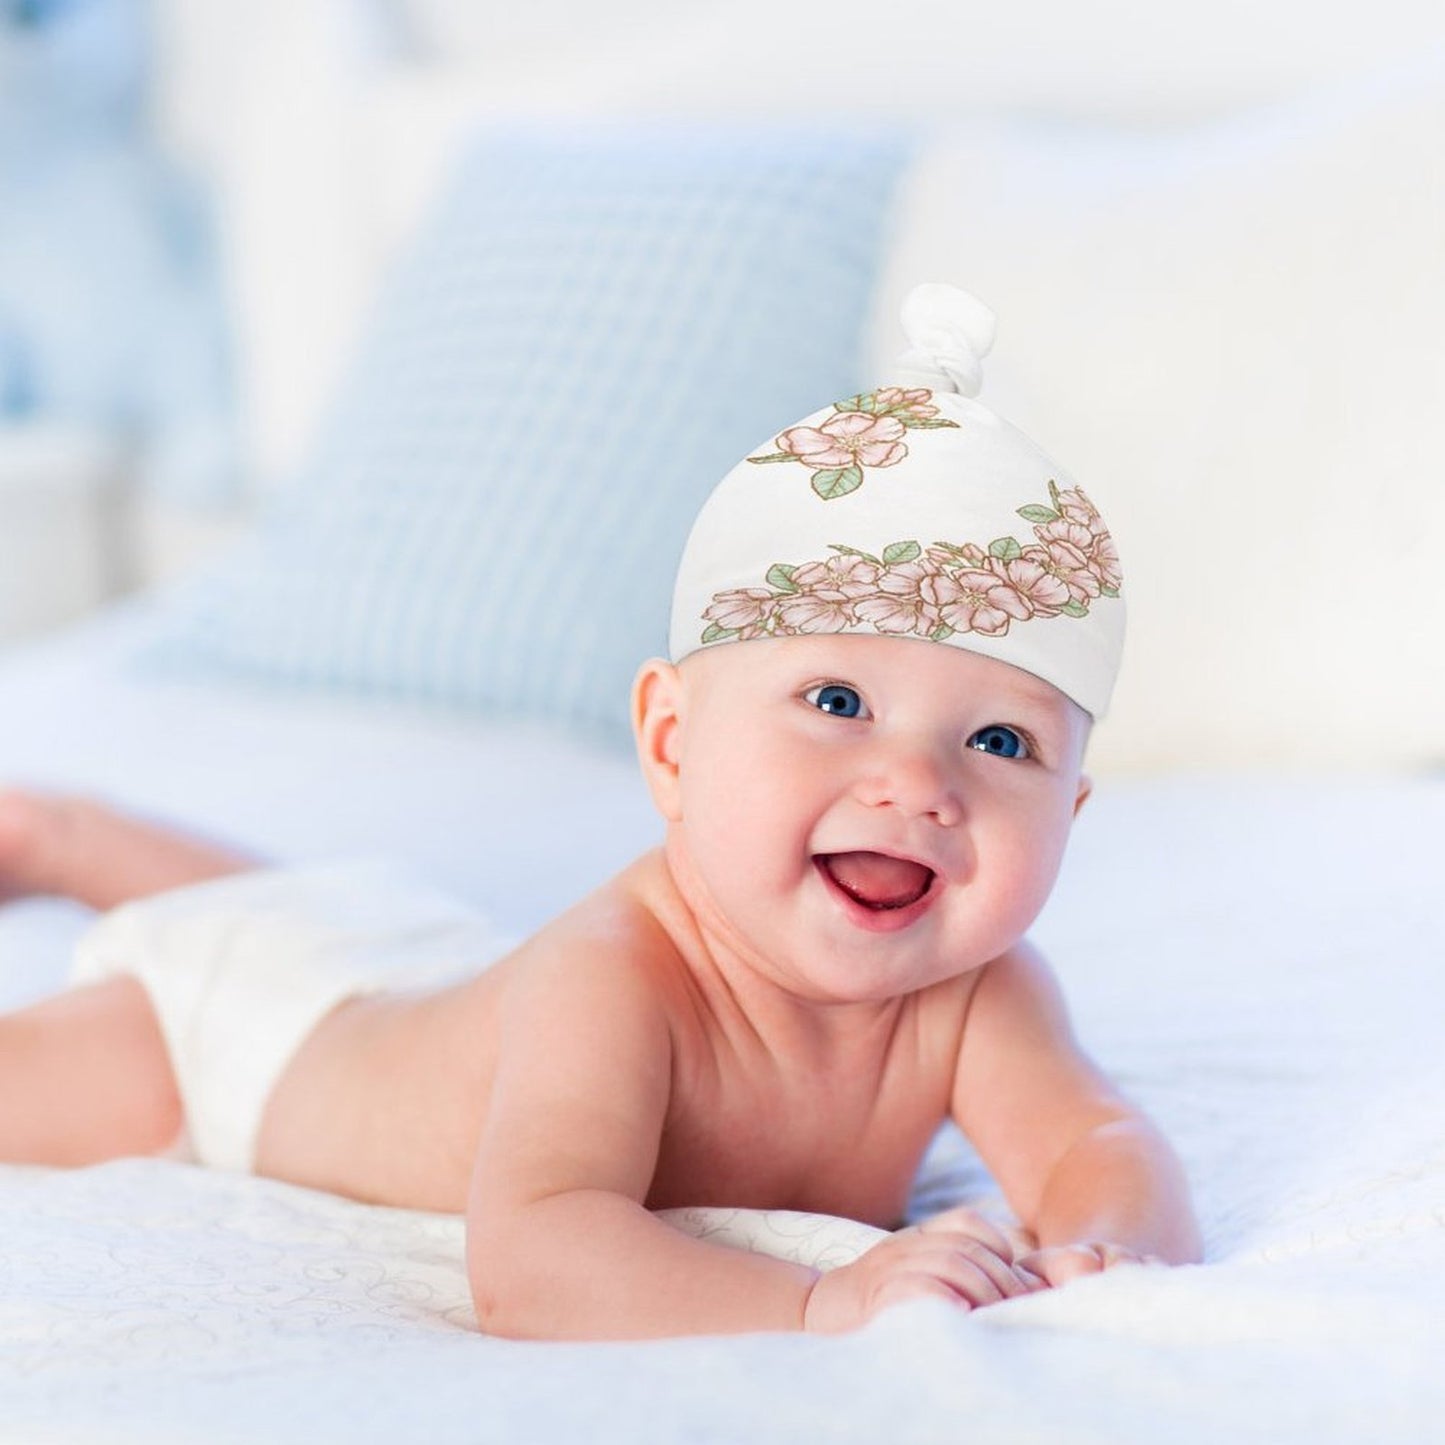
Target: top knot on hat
{"points": [[949, 333]]}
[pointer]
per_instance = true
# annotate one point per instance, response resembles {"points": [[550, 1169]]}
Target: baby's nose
{"points": [[916, 781]]}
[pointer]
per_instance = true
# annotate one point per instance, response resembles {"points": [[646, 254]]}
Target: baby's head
{"points": [[897, 614]]}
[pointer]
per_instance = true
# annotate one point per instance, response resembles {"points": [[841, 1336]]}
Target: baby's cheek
{"points": [[1024, 883], [730, 840]]}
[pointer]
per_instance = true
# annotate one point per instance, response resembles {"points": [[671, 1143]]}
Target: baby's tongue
{"points": [[878, 880]]}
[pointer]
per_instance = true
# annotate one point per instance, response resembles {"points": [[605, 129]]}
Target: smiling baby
{"points": [[893, 626]]}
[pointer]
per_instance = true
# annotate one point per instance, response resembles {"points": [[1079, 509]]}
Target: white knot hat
{"points": [[911, 511]]}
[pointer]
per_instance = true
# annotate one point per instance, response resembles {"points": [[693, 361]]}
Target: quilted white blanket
{"points": [[1259, 961]]}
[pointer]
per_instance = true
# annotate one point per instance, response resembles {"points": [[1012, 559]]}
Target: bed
{"points": [[1257, 958], [1249, 926]]}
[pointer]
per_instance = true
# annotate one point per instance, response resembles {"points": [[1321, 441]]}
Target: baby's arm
{"points": [[559, 1242], [1091, 1178]]}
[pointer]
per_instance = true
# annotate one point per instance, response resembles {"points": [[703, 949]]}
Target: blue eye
{"points": [[838, 699], [1002, 742]]}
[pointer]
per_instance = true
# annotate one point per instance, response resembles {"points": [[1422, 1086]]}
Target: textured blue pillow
{"points": [[592, 329]]}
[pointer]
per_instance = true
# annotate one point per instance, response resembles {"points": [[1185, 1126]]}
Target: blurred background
{"points": [[1214, 236]]}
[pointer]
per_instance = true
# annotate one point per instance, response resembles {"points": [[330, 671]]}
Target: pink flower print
{"points": [[826, 592], [1076, 507], [951, 556], [1044, 593], [1070, 566], [1071, 534], [850, 438], [742, 609], [975, 601], [864, 431], [934, 591], [1097, 548], [899, 605], [914, 401], [814, 612], [1104, 562], [847, 576]]}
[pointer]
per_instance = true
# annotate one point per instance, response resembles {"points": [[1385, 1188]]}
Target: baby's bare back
{"points": [[387, 1099], [384, 1101]]}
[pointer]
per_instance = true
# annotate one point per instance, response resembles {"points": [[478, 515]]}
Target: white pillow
{"points": [[1233, 340]]}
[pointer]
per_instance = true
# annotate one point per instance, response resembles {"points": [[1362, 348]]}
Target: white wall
{"points": [[324, 122]]}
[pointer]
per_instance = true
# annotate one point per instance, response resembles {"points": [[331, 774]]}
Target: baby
{"points": [[891, 630]]}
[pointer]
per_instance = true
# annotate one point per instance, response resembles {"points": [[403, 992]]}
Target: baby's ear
{"points": [[656, 716], [1086, 786]]}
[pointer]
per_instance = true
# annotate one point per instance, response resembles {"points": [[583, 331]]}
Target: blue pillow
{"points": [[593, 327]]}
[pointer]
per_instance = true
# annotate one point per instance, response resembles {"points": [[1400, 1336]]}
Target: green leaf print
{"points": [[833, 482], [1032, 513], [1006, 549], [941, 633], [1073, 608], [847, 551], [773, 457], [897, 552], [715, 633], [780, 575], [914, 423]]}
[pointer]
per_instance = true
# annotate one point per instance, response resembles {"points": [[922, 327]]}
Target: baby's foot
{"points": [[29, 826], [84, 850]]}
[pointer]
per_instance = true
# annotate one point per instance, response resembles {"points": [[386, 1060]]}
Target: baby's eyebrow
{"points": [[1022, 697], [1040, 712], [1035, 692]]}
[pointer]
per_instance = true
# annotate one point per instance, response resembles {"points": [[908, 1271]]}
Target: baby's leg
{"points": [[84, 850], [84, 1077]]}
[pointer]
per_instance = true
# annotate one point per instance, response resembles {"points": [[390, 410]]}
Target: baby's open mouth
{"points": [[877, 880]]}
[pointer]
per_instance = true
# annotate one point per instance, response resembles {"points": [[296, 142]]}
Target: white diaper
{"points": [[241, 969]]}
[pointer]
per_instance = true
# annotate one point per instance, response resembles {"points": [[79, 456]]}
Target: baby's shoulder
{"points": [[614, 934], [1017, 993]]}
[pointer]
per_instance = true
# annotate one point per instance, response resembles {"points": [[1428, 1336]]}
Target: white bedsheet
{"points": [[1258, 960]]}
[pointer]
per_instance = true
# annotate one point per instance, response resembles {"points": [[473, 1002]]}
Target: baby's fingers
{"points": [[970, 1268], [1021, 1241], [1114, 1254], [904, 1287], [1060, 1263], [963, 1220]]}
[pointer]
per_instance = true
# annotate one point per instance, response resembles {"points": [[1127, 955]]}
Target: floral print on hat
{"points": [[934, 592], [864, 431]]}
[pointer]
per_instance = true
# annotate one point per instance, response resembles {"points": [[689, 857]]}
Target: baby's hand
{"points": [[957, 1256], [1059, 1263]]}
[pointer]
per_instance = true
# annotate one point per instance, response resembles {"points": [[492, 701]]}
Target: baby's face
{"points": [[859, 817]]}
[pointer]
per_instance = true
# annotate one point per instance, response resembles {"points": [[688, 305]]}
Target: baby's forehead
{"points": [[895, 662]]}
